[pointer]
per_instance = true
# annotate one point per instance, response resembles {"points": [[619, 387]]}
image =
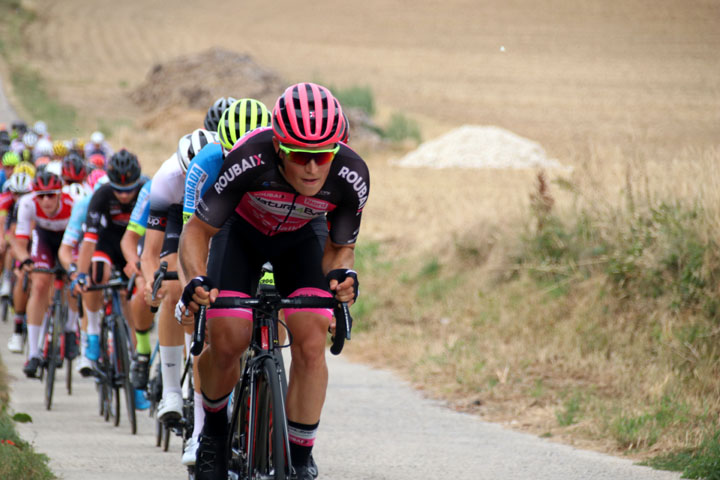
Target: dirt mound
{"points": [[473, 146], [196, 81]]}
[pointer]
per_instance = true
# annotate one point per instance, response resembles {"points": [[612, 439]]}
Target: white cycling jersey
{"points": [[168, 185]]}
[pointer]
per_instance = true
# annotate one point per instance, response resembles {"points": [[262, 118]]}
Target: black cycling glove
{"points": [[189, 290], [340, 274]]}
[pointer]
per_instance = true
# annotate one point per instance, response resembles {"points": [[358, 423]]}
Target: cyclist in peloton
{"points": [[49, 209], [98, 145], [161, 242], [272, 184], [107, 217], [242, 116], [19, 184], [68, 252], [131, 243]]}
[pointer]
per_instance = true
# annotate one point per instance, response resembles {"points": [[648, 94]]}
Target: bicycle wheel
{"points": [[264, 427], [123, 370], [166, 437], [4, 308], [106, 376], [53, 355]]}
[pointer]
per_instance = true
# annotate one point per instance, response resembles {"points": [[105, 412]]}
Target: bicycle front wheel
{"points": [[266, 447], [123, 368]]}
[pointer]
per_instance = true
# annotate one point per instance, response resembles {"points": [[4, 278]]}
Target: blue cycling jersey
{"points": [[202, 172], [74, 230], [139, 215]]}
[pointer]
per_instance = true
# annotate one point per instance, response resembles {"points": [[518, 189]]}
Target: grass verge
{"points": [[18, 459]]}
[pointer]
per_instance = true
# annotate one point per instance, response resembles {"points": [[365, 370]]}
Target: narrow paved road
{"points": [[374, 426]]}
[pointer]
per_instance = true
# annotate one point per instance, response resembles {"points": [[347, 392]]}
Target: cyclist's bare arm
{"points": [[128, 247], [193, 253], [65, 255], [150, 261], [340, 257], [85, 256]]}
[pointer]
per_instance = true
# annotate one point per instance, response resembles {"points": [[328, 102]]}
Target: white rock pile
{"points": [[475, 146]]}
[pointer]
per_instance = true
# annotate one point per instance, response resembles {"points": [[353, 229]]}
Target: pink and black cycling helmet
{"points": [[307, 115], [95, 176]]}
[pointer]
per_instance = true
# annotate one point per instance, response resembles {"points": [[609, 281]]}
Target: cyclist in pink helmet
{"points": [[293, 195]]}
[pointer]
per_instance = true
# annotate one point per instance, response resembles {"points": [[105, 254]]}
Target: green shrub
{"points": [[401, 128], [356, 97]]}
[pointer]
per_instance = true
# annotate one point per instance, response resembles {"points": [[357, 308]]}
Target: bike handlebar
{"points": [[343, 319], [161, 275]]}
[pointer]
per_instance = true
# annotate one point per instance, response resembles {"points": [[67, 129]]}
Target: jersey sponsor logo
{"points": [[236, 170], [358, 183], [155, 222], [196, 178]]}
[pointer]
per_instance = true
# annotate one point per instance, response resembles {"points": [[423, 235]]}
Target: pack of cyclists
{"points": [[253, 185]]}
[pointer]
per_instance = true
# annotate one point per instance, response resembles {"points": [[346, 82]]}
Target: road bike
{"points": [[184, 426], [258, 445], [112, 372], [52, 338]]}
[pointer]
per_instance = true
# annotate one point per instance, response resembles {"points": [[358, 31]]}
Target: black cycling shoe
{"points": [[309, 471], [312, 466], [301, 472], [140, 371], [72, 349], [31, 367], [211, 461]]}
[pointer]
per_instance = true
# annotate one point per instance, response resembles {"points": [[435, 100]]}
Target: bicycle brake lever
{"points": [[159, 277], [199, 333], [343, 327]]}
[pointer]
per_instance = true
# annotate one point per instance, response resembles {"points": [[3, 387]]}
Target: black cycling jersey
{"points": [[250, 183], [106, 213]]}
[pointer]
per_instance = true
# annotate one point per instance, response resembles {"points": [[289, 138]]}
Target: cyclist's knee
{"points": [[228, 342], [40, 283]]}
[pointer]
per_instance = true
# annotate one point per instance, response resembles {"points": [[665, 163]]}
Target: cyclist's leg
{"points": [[170, 333], [228, 334], [143, 321], [93, 301], [172, 342], [298, 271], [42, 253]]}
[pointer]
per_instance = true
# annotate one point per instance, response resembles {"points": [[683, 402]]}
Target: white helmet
{"points": [[55, 167], [30, 139], [191, 144], [43, 148], [78, 191], [97, 138], [40, 128], [19, 182]]}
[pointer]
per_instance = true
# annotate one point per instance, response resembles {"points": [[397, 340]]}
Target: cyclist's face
{"points": [[49, 203], [124, 196], [306, 179]]}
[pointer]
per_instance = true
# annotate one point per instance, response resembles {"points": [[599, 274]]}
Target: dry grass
{"points": [[573, 354]]}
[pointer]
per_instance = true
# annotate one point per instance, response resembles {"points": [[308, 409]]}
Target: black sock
{"points": [[216, 419], [302, 439]]}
